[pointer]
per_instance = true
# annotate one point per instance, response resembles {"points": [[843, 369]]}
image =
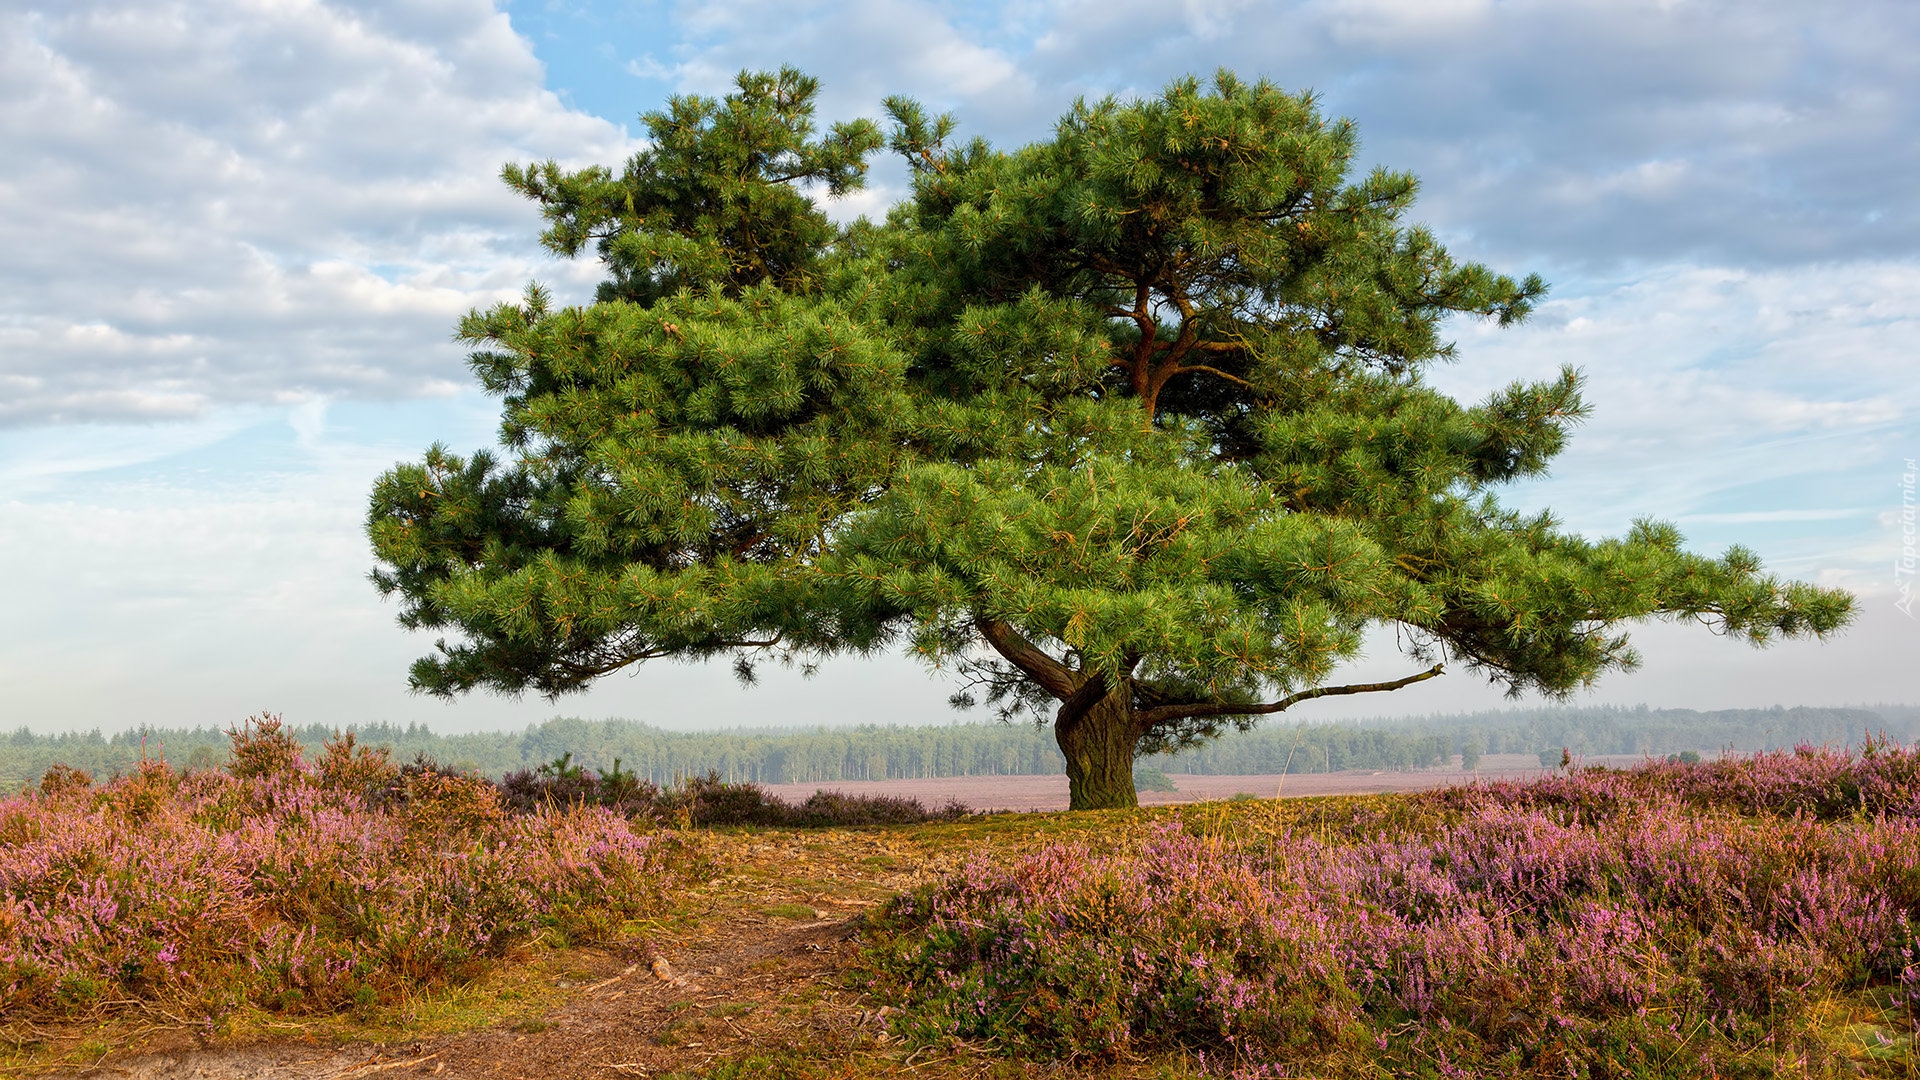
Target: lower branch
{"points": [[608, 661], [1161, 714]]}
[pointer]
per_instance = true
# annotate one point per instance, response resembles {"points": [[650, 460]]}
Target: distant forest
{"points": [[819, 755]]}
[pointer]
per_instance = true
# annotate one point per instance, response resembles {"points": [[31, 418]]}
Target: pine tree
{"points": [[1127, 427]]}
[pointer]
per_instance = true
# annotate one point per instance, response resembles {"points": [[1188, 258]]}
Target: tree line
{"points": [[877, 752], [1422, 742]]}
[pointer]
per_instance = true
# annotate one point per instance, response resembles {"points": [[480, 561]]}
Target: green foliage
{"points": [[1127, 426], [716, 202], [1151, 778], [704, 800], [347, 766], [263, 746], [61, 780], [1470, 752]]}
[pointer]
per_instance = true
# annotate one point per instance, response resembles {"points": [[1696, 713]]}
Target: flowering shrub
{"points": [[263, 746], [1816, 782], [1665, 921], [283, 885], [708, 800], [351, 768], [62, 779]]}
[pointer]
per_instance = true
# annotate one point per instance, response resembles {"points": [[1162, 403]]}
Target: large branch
{"points": [[1161, 714], [1051, 674], [1212, 371], [606, 661]]}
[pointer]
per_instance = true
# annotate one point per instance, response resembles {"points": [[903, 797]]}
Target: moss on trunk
{"points": [[1098, 745]]}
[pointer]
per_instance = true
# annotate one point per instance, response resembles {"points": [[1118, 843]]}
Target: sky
{"points": [[235, 237]]}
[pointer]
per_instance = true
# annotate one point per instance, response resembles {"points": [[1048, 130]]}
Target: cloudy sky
{"points": [[235, 236]]}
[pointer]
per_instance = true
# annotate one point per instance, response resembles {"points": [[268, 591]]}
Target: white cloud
{"points": [[168, 593], [1402, 22], [1746, 405], [37, 463], [1751, 517], [1646, 180], [862, 52], [228, 202], [1589, 134], [260, 216]]}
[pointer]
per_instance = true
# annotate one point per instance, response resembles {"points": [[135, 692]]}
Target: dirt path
{"points": [[753, 968]]}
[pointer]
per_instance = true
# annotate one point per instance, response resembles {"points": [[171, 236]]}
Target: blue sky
{"points": [[235, 237]]}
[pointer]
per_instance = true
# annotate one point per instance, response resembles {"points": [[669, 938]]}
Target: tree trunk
{"points": [[1098, 745]]}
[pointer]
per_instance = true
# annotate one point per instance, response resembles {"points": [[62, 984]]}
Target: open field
{"points": [[1742, 918], [1049, 793]]}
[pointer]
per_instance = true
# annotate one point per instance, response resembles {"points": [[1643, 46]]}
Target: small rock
{"points": [[665, 973]]}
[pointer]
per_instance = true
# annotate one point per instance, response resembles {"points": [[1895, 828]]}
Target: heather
{"points": [[295, 886], [1668, 920], [1816, 782]]}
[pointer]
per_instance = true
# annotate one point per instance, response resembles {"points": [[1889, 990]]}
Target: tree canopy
{"points": [[1126, 427]]}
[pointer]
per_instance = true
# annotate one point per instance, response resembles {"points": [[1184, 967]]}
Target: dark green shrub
{"points": [[1151, 778], [263, 746]]}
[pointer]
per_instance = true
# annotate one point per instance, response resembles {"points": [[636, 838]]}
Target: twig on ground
{"points": [[624, 972], [384, 1066]]}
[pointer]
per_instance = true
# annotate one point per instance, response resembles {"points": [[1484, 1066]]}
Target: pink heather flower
{"points": [[1514, 913]]}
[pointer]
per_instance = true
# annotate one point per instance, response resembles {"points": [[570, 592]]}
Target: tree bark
{"points": [[1097, 735]]}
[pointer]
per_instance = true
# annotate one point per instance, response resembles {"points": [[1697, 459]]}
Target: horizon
{"points": [[963, 720]]}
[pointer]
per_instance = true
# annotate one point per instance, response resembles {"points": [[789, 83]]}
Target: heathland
{"points": [[337, 914]]}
